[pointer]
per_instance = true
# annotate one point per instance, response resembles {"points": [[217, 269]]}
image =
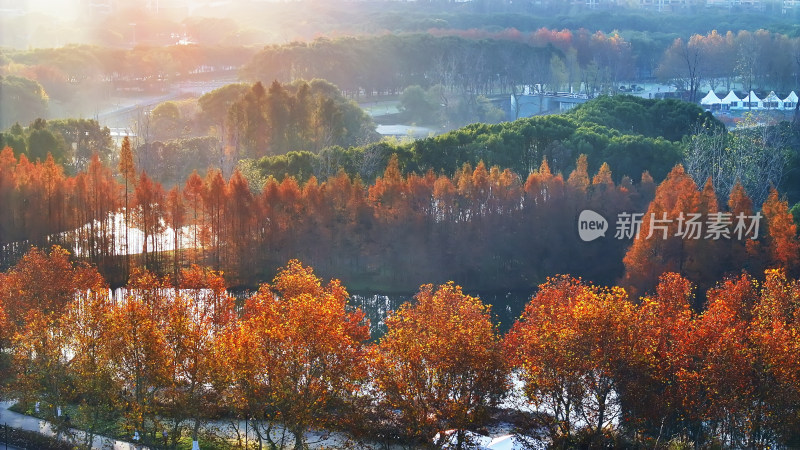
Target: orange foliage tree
{"points": [[40, 361], [663, 250], [439, 364], [297, 353], [137, 351], [195, 317], [775, 336], [93, 390], [5, 343], [784, 246], [743, 254], [38, 291], [718, 390], [127, 169], [45, 283], [571, 349], [148, 215], [175, 218], [653, 397]]}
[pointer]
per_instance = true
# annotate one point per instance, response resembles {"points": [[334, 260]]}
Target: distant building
{"points": [[595, 4], [662, 5], [790, 6], [732, 102]]}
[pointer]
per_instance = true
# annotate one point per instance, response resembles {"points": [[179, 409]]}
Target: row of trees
{"points": [[70, 70], [669, 243], [758, 60], [301, 115], [593, 366], [23, 100], [216, 130], [465, 62], [460, 62], [629, 133], [71, 142], [505, 232], [480, 62], [247, 121], [368, 231]]}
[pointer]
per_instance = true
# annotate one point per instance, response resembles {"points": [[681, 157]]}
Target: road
{"points": [[122, 116], [29, 423]]}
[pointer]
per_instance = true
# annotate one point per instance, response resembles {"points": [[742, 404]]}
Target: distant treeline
{"points": [[629, 133], [464, 63], [469, 64], [71, 142], [482, 62], [87, 75]]}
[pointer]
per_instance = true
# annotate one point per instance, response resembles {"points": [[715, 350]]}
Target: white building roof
{"points": [[791, 98], [772, 97], [731, 97], [710, 99], [751, 97]]}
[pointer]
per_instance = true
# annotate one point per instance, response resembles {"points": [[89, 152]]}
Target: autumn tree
{"points": [[127, 169], [726, 387], [655, 397], [747, 253], [773, 333], [93, 387], [297, 353], [783, 243], [667, 238], [239, 210], [683, 65], [148, 213], [193, 192], [579, 178], [439, 364], [195, 318], [5, 344], [214, 197], [138, 353], [38, 291], [175, 219], [41, 361], [44, 282], [96, 199], [571, 348]]}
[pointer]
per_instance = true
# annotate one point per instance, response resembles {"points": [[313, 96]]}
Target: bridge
{"points": [[528, 105]]}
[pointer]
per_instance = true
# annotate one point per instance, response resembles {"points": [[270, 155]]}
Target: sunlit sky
{"points": [[72, 9]]}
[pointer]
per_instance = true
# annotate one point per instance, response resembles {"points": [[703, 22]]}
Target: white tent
{"points": [[731, 101], [772, 101], [790, 102], [711, 101], [752, 101]]}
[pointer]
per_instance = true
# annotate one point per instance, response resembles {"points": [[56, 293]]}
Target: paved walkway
{"points": [[4, 446], [29, 423]]}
